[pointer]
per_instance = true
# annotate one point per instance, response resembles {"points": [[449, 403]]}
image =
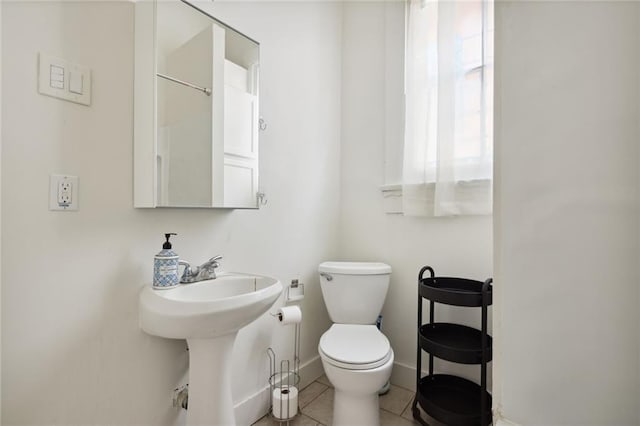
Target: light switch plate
{"points": [[63, 192], [55, 79]]}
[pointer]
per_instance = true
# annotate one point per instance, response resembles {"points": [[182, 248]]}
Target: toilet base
{"points": [[355, 410], [355, 401]]}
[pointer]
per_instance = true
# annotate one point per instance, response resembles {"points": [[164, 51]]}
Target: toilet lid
{"points": [[355, 346]]}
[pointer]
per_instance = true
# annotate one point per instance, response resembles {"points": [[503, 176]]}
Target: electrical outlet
{"points": [[63, 192]]}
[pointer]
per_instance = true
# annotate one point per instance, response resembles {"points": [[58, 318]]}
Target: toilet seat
{"points": [[355, 347]]}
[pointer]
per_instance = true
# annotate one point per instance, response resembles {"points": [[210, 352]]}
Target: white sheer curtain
{"points": [[448, 149]]}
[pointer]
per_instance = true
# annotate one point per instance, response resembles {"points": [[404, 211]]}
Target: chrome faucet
{"points": [[206, 271]]}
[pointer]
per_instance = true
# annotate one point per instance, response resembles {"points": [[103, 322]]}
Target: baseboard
{"points": [[257, 405], [504, 422], [251, 409], [310, 371], [404, 376]]}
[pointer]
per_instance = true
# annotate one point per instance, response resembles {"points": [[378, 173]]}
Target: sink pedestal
{"points": [[210, 401]]}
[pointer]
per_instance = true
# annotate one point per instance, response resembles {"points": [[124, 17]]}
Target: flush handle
{"points": [[327, 276]]}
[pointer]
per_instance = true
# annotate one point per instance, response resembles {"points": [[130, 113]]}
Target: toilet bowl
{"points": [[357, 360], [356, 356]]}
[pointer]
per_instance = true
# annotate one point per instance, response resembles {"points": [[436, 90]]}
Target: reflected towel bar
{"points": [[205, 90]]}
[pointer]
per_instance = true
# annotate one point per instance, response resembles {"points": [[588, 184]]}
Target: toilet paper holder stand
{"points": [[283, 381]]}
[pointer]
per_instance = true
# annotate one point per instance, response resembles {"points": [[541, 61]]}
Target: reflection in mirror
{"points": [[205, 82], [184, 114]]}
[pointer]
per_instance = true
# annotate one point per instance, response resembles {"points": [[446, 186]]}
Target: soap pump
{"points": [[165, 266]]}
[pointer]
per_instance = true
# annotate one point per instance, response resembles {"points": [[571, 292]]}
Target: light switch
{"points": [[75, 82], [56, 77], [63, 79]]}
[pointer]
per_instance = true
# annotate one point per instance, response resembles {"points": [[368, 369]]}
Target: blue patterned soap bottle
{"points": [[165, 266]]}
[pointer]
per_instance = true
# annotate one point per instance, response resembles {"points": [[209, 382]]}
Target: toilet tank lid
{"points": [[355, 268]]}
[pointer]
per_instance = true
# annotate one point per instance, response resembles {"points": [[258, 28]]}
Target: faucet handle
{"points": [[211, 264], [188, 273]]}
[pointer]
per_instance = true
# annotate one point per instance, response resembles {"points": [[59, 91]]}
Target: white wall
{"points": [[72, 352], [567, 109], [373, 41]]}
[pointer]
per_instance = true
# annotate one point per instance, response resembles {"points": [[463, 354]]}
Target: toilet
{"points": [[357, 358]]}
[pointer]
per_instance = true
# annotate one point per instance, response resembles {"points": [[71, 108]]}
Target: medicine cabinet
{"points": [[195, 109]]}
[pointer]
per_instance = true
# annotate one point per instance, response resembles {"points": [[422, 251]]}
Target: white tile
{"points": [[310, 393], [321, 408], [408, 414], [300, 420], [324, 380], [396, 400], [390, 419]]}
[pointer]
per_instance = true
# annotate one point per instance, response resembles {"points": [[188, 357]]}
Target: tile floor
{"points": [[316, 406]]}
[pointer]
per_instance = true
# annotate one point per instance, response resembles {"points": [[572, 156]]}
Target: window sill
{"points": [[392, 198], [466, 190]]}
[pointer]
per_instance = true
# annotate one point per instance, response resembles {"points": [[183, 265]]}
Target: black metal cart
{"points": [[446, 398]]}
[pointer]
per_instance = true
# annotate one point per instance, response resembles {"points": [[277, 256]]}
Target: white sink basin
{"points": [[208, 314], [209, 308]]}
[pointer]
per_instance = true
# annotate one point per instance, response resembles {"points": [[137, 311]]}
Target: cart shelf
{"points": [[454, 291], [454, 342], [453, 400]]}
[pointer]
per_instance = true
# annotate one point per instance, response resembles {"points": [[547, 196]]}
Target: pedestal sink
{"points": [[208, 314]]}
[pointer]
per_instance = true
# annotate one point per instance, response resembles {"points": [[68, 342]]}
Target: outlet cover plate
{"points": [[55, 184]]}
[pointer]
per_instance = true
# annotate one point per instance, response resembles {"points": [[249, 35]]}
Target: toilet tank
{"points": [[354, 292]]}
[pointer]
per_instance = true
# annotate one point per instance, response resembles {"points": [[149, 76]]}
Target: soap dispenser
{"points": [[165, 266]]}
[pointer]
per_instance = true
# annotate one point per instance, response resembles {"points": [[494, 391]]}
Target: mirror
{"points": [[196, 109]]}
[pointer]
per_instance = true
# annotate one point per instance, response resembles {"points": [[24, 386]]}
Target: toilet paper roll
{"points": [[289, 315], [285, 402]]}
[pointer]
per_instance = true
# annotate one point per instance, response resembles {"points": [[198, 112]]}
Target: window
{"points": [[448, 149]]}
